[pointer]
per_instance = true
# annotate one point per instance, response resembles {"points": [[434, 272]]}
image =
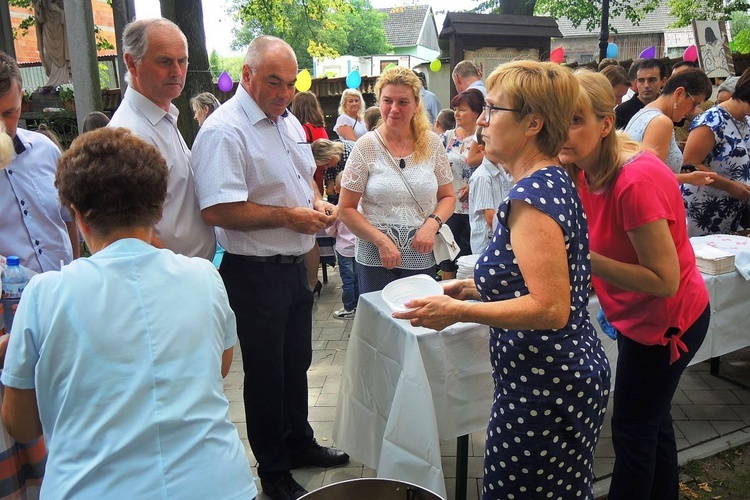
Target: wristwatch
{"points": [[687, 168]]}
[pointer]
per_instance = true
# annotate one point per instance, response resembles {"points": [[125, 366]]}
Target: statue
{"points": [[52, 41]]}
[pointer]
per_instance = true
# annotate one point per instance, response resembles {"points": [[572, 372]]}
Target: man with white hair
{"points": [[155, 53], [254, 176]]}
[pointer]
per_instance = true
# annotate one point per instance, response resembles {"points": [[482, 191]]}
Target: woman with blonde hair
{"points": [[350, 124], [399, 177], [531, 287], [648, 285]]}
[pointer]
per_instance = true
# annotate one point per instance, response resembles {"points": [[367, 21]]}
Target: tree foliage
{"points": [[742, 41], [322, 28], [741, 32], [589, 13], [231, 64], [688, 10]]}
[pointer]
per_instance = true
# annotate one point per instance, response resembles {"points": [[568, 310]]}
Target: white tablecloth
{"points": [[729, 329], [405, 388]]}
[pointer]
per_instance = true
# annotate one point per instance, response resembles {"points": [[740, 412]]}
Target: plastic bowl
{"points": [[398, 292]]}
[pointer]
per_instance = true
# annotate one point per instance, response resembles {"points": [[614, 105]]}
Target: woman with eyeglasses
{"points": [[648, 286], [653, 126], [396, 189], [719, 142], [531, 286]]}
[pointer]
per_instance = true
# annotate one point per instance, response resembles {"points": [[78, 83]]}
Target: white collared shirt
{"points": [[241, 155], [32, 221], [489, 185], [181, 227]]}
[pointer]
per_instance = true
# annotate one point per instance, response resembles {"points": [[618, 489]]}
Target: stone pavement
{"points": [[710, 414]]}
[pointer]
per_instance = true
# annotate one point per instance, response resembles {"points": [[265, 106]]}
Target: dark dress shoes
{"points": [[318, 456], [284, 488]]}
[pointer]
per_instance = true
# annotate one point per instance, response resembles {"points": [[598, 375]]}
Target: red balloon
{"points": [[557, 55]]}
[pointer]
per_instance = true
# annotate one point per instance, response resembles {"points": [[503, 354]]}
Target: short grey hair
{"points": [[135, 37], [467, 68], [258, 47]]}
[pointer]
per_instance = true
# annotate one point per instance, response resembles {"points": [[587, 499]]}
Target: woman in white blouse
{"points": [[400, 178], [350, 125]]}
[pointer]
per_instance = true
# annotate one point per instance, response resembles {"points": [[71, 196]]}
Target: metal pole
{"points": [[604, 34]]}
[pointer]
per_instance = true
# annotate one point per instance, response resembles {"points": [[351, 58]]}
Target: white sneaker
{"points": [[344, 314]]}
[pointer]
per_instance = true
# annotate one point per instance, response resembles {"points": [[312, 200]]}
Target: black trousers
{"points": [[273, 304], [642, 433]]}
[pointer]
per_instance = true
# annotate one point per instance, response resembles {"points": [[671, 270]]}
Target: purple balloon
{"points": [[225, 82], [648, 53]]}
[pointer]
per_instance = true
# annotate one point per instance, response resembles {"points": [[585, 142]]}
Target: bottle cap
{"points": [[13, 260]]}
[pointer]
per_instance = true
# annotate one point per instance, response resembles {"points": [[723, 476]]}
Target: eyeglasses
{"points": [[695, 103], [489, 108]]}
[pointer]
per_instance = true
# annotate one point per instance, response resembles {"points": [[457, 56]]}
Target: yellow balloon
{"points": [[304, 81], [436, 65]]}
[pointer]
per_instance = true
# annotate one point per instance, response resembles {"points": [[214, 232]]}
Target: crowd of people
{"points": [[555, 179]]}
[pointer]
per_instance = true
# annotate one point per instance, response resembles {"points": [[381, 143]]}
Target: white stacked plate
{"points": [[466, 266]]}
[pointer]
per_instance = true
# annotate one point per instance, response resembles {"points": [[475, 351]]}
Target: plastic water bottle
{"points": [[14, 281]]}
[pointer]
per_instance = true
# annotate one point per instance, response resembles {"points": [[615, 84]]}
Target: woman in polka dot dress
{"points": [[551, 373]]}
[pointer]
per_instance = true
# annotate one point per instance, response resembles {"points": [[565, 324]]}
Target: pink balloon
{"points": [[225, 82], [557, 55], [690, 54], [648, 53]]}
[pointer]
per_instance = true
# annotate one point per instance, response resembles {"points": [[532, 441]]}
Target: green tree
{"points": [[579, 12], [740, 21], [742, 41], [589, 13], [324, 28], [687, 10], [215, 64]]}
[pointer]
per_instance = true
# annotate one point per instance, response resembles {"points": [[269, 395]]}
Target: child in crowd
{"points": [[347, 268], [488, 187], [372, 117], [445, 121]]}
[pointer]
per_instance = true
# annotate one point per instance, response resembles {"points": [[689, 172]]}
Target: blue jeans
{"points": [[350, 287]]}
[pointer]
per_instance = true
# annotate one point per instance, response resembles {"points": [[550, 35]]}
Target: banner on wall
{"points": [[488, 58]]}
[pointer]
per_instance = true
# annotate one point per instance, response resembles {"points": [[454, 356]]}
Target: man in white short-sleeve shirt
{"points": [[253, 173], [156, 56]]}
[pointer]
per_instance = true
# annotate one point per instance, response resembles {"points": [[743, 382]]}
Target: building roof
{"points": [[404, 24], [657, 21], [466, 23]]}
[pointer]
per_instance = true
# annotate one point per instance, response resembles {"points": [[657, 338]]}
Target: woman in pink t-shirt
{"points": [[648, 285]]}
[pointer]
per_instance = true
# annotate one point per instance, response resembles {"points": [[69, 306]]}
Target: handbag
{"points": [[445, 247]]}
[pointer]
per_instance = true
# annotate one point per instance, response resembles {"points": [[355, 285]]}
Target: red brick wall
{"points": [[26, 50]]}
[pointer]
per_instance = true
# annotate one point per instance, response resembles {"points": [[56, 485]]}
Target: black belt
{"points": [[273, 259]]}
